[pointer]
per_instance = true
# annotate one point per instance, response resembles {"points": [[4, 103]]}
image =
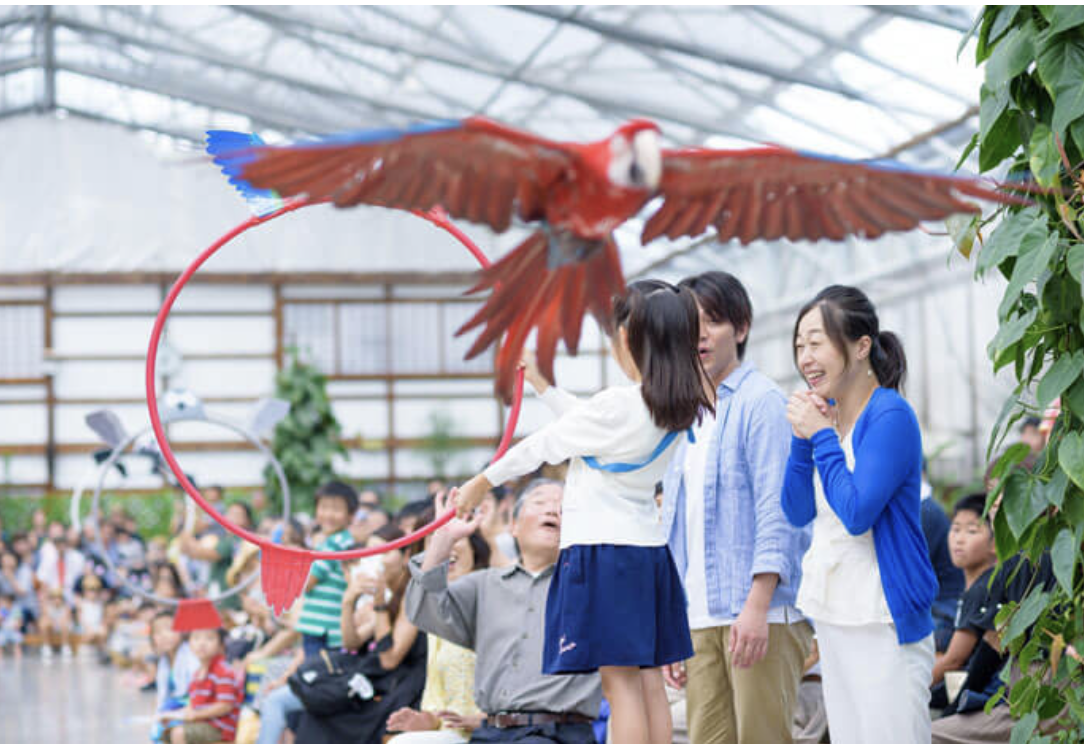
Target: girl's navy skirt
{"points": [[615, 605]]}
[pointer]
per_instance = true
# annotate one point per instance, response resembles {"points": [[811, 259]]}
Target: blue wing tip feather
{"points": [[231, 151]]}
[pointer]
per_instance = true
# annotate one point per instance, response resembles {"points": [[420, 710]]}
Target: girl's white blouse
{"points": [[598, 507]]}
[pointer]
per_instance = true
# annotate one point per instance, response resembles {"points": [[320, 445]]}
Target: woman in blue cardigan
{"points": [[855, 470]]}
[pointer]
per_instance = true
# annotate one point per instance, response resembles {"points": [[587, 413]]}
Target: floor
{"points": [[71, 700]]}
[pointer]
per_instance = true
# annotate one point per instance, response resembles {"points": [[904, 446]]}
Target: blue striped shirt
{"points": [[745, 530]]}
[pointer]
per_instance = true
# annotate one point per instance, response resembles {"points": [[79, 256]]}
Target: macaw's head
{"points": [[636, 155]]}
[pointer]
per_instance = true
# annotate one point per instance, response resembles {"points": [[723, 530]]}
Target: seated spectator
{"points": [[177, 665], [319, 623], [370, 516], [1031, 434], [409, 516], [214, 695], [60, 562], [499, 613], [965, 720], [971, 540], [17, 579], [216, 546], [90, 612], [394, 652], [56, 624], [131, 554], [166, 580], [10, 626], [950, 581], [448, 712]]}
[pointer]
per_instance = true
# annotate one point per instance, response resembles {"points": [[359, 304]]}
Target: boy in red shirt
{"points": [[214, 695]]}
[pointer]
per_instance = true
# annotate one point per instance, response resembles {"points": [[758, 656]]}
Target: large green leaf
{"points": [[1011, 56], [1001, 141], [1023, 500], [1060, 62], [1074, 262], [1001, 22], [996, 433], [1004, 540], [1062, 373], [1062, 18], [1063, 557], [1071, 457], [1025, 616], [1043, 156], [1010, 332], [1074, 399], [1054, 489], [1031, 262], [1026, 228], [1076, 130]]}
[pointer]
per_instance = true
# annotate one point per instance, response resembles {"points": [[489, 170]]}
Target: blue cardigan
{"points": [[882, 494]]}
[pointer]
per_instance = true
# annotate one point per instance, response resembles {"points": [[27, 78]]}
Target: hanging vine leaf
{"points": [[1032, 113], [1060, 376]]}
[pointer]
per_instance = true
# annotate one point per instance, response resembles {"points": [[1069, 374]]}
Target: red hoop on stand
{"points": [[283, 570]]}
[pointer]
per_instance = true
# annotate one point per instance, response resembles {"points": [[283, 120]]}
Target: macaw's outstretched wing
{"points": [[477, 169], [772, 192]]}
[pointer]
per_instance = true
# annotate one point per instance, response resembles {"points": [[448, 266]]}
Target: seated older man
{"points": [[500, 614]]}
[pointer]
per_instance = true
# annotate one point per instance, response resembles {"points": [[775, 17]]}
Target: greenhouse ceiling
{"points": [[856, 81]]}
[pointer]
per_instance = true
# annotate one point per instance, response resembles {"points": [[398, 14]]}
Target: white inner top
{"points": [[841, 580]]}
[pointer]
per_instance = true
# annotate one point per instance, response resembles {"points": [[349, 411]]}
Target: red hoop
{"points": [[285, 569]]}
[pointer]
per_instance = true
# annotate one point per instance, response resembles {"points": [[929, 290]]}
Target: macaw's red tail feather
{"points": [[527, 293]]}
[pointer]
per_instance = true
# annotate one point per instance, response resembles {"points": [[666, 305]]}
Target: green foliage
{"points": [[307, 440], [441, 445], [152, 512], [1032, 114]]}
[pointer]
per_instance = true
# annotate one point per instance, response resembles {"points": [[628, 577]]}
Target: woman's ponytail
{"points": [[888, 360]]}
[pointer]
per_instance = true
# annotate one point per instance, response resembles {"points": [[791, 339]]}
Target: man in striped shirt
{"points": [[214, 695]]}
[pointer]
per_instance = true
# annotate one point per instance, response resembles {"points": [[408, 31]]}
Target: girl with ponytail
{"points": [[855, 471], [616, 603]]}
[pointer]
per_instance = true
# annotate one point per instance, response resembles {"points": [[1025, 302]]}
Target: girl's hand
{"points": [[468, 496], [529, 364], [807, 413]]}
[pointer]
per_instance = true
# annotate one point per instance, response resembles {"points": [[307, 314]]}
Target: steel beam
{"points": [[636, 37]]}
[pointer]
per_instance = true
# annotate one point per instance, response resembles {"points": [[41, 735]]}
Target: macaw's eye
{"points": [[636, 173]]}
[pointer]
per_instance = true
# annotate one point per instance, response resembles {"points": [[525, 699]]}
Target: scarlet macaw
{"points": [[485, 172]]}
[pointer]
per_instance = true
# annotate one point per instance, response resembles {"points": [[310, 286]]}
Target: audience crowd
{"points": [[441, 641]]}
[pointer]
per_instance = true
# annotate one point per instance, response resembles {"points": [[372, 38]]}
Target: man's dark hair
{"points": [[338, 490], [973, 502], [723, 298], [1031, 421]]}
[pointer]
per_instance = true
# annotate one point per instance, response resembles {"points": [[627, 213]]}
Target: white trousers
{"points": [[875, 690]]}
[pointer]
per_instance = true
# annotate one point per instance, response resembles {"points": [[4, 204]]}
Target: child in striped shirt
{"points": [[320, 621], [214, 695]]}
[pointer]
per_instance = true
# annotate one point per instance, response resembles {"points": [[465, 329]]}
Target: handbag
{"points": [[331, 682], [334, 682]]}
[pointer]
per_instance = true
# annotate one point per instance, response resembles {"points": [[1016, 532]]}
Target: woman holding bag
{"points": [[389, 671]]}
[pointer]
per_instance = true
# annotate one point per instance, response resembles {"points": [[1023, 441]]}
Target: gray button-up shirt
{"points": [[500, 614]]}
